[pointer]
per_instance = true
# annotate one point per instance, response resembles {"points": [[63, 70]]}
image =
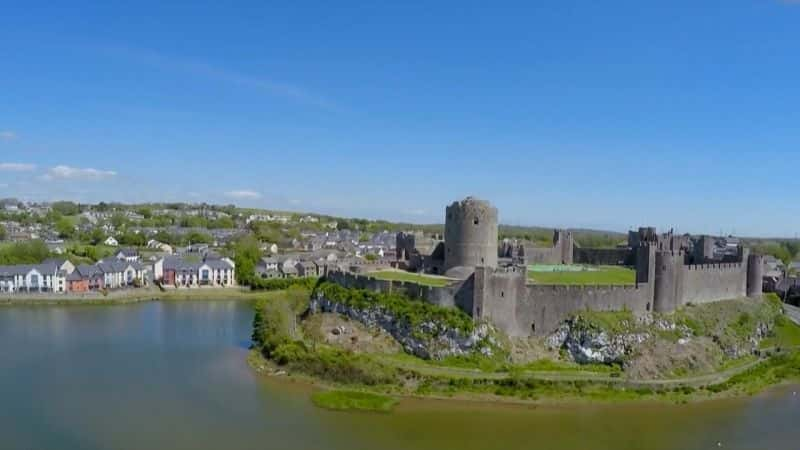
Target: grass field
{"points": [[396, 275], [785, 334], [353, 400], [588, 275]]}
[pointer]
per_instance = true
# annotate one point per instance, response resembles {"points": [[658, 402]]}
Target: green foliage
{"points": [[222, 222], [167, 238], [196, 237], [27, 252], [3, 233], [611, 321], [66, 208], [786, 251], [776, 369], [413, 312], [246, 255], [145, 212], [194, 222], [65, 228], [352, 400], [133, 239], [119, 221], [785, 334], [337, 365], [91, 253]]}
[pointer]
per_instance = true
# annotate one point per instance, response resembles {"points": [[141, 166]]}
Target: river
{"points": [[173, 375]]}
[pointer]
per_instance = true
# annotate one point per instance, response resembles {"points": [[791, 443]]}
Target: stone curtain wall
{"points": [[539, 255], [546, 307], [456, 295], [712, 282]]}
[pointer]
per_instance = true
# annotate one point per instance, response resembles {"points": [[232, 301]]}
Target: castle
{"points": [[490, 280]]}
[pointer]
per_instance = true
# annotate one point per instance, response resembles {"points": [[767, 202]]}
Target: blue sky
{"points": [[566, 113]]}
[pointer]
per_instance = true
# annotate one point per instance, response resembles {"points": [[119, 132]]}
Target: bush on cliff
{"points": [[412, 311]]}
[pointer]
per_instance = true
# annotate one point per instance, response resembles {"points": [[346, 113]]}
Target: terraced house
{"points": [[46, 277], [180, 272]]}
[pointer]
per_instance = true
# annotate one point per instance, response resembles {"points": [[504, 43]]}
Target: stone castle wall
{"points": [[459, 294], [520, 309]]}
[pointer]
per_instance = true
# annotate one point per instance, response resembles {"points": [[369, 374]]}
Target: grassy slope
{"points": [[543, 380], [602, 275], [425, 280]]}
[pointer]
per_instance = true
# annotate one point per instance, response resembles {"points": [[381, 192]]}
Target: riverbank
{"points": [[705, 352], [129, 296], [553, 388]]}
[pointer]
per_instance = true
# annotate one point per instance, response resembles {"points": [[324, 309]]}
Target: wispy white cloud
{"points": [[7, 135], [76, 173], [417, 212], [17, 167], [223, 75], [243, 194]]}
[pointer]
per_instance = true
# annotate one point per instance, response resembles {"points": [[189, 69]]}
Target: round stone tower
{"points": [[755, 275], [664, 298], [470, 234]]}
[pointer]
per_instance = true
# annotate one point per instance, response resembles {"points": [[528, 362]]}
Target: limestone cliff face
{"points": [[429, 340]]}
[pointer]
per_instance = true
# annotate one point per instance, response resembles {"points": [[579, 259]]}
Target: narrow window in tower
{"points": [[475, 221]]}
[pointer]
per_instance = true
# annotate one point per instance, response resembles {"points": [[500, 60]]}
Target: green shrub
{"points": [[351, 400], [414, 312]]}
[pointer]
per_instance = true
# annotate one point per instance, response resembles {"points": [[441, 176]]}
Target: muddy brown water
{"points": [[173, 375]]}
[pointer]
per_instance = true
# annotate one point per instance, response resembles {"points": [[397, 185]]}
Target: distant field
{"points": [[425, 280], [579, 275]]}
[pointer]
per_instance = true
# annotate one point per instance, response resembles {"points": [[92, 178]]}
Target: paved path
{"points": [[793, 313], [694, 381]]}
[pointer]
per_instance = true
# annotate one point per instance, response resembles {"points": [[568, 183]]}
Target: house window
{"points": [[204, 275]]}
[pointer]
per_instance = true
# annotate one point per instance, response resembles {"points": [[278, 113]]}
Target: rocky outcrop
{"points": [[427, 340], [587, 344]]}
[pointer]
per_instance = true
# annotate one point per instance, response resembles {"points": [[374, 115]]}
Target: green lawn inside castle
{"points": [[353, 340]]}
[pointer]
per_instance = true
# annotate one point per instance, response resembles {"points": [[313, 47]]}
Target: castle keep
{"points": [[490, 281]]}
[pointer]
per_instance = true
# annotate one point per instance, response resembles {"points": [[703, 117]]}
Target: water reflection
{"points": [[174, 376]]}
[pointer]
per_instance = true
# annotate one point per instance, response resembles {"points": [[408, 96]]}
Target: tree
{"points": [[66, 208], [64, 228], [3, 233], [199, 238], [118, 220], [28, 252], [222, 222], [145, 211], [133, 239], [246, 256]]}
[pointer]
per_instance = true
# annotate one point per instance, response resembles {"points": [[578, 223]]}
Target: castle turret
{"points": [[470, 234], [755, 275], [665, 297]]}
